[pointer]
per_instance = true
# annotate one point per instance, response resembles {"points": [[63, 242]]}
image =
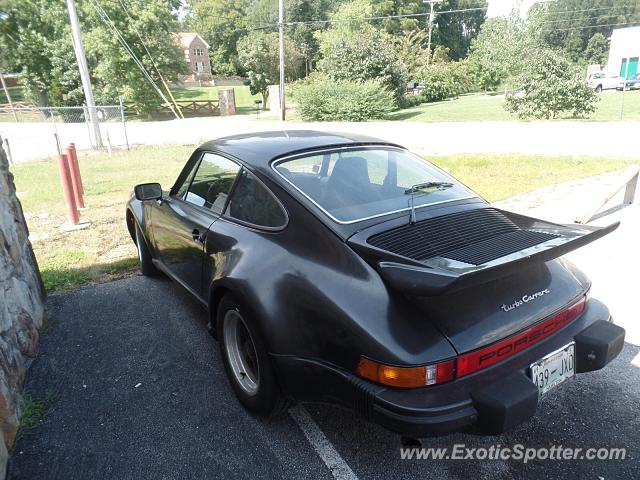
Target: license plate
{"points": [[554, 369]]}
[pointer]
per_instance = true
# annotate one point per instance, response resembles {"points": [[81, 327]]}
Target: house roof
{"points": [[186, 38]]}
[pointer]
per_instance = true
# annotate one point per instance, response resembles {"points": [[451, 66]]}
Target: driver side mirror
{"points": [[148, 191]]}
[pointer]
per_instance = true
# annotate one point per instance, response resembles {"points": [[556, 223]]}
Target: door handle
{"points": [[197, 236]]}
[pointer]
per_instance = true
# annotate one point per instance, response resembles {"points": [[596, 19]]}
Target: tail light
{"points": [[415, 377], [406, 377]]}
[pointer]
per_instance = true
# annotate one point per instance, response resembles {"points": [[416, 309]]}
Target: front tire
{"points": [[246, 360], [599, 89], [145, 260]]}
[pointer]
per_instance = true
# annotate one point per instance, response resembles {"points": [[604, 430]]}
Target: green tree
{"points": [[35, 38], [399, 27], [550, 86], [411, 50], [456, 30], [38, 46], [259, 57], [597, 49], [114, 71], [222, 23], [498, 52], [358, 51]]}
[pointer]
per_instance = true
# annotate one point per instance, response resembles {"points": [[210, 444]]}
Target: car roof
{"points": [[258, 149]]}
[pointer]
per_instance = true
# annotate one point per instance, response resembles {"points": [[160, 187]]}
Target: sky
{"points": [[504, 7]]}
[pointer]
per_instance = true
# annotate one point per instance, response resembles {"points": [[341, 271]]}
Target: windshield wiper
{"points": [[423, 186], [420, 188]]}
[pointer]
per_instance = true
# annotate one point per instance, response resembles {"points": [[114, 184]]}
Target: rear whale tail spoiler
{"points": [[441, 273]]}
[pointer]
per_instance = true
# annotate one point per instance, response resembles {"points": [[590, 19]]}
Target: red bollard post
{"points": [[67, 189], [76, 183], [72, 146]]}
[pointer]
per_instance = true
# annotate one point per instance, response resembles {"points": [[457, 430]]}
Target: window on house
{"points": [[199, 67], [198, 52]]}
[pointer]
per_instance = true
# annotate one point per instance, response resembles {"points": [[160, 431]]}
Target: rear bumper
{"points": [[489, 402]]}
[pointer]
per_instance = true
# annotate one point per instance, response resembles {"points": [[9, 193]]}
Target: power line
{"points": [[356, 19], [593, 26], [155, 66], [412, 15], [589, 18]]}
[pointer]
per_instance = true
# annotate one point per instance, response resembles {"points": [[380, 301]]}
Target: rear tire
{"points": [[599, 89], [246, 361], [145, 259]]}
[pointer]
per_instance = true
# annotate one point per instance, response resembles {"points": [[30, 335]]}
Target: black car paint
{"points": [[319, 302]]}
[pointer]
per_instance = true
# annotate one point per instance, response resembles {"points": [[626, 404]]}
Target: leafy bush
{"points": [[323, 99], [442, 81], [408, 101], [551, 85], [361, 55]]}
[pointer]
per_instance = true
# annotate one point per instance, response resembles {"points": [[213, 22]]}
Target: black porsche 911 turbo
{"points": [[344, 269]]}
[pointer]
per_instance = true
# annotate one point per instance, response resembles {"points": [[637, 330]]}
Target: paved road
{"points": [[35, 140], [141, 394]]}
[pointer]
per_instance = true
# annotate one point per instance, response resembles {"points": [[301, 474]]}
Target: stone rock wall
{"points": [[21, 308]]}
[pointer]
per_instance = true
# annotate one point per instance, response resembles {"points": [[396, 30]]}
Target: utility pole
{"points": [[78, 47], [281, 39], [624, 86], [430, 25]]}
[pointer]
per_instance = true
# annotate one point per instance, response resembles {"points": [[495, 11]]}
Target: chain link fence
{"points": [[31, 132]]}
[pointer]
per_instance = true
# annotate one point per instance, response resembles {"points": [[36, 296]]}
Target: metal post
{"points": [[74, 157], [624, 87], [124, 124], [85, 112], [74, 173], [108, 143], [281, 41], [6, 92], [67, 189], [55, 131], [430, 25], [78, 47]]}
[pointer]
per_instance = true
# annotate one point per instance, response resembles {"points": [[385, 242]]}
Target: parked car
{"points": [[344, 269], [633, 83], [603, 81]]}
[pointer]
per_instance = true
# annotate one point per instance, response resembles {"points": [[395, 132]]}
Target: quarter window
{"points": [[212, 182], [252, 203], [182, 191]]}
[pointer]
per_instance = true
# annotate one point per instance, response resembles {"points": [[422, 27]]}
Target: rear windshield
{"points": [[356, 184]]}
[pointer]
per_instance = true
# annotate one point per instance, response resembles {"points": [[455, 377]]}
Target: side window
{"points": [[252, 203], [212, 182]]}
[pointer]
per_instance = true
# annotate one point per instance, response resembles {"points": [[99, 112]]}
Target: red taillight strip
{"points": [[485, 357]]}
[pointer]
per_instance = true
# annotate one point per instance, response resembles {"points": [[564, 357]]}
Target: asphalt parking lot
{"points": [[140, 392]]}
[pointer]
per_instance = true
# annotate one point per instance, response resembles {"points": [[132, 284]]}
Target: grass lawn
{"points": [[478, 107], [244, 99], [104, 251]]}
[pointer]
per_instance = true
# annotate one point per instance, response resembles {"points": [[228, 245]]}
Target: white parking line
{"points": [[321, 444], [636, 361]]}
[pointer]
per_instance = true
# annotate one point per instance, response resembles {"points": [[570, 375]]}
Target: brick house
{"points": [[196, 53]]}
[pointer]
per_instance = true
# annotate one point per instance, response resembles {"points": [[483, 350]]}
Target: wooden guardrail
{"points": [[188, 107], [628, 179]]}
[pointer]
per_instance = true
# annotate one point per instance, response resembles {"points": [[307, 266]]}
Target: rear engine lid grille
{"points": [[474, 237]]}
